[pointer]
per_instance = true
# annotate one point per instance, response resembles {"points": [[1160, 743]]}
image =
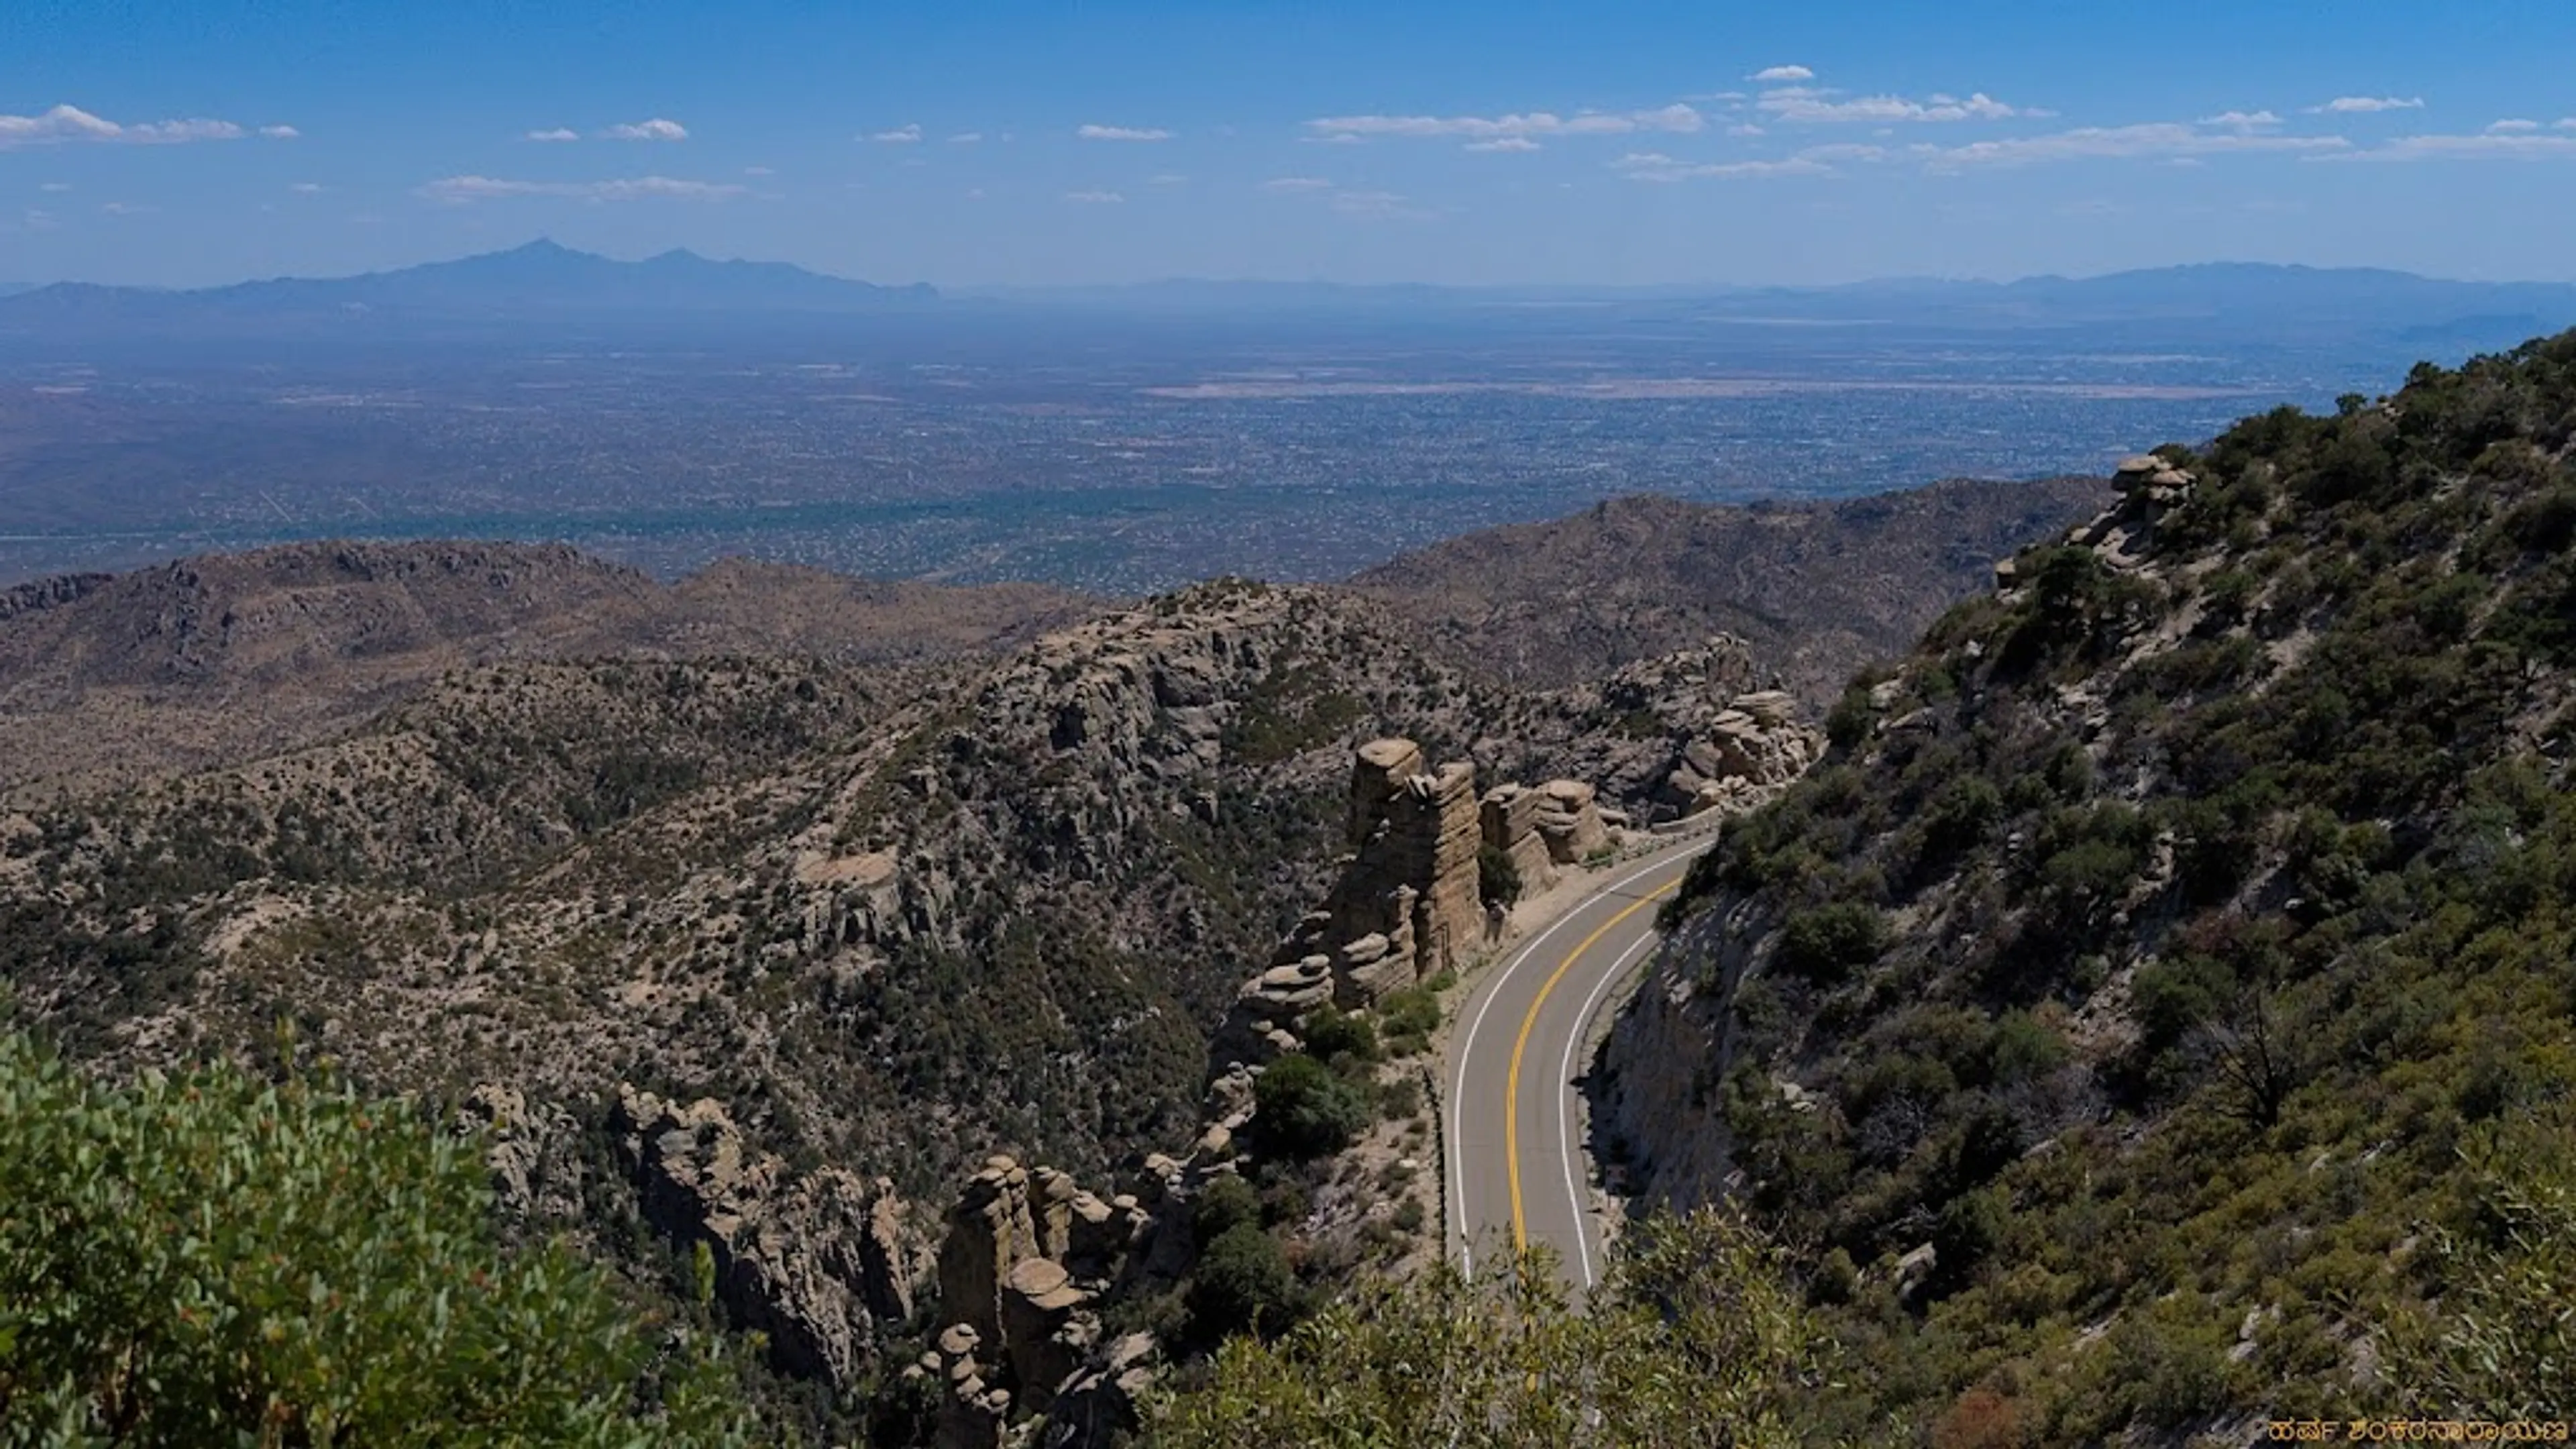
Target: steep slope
{"points": [[2155, 1016], [1816, 589], [114, 679]]}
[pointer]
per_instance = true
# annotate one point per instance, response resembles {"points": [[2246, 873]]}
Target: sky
{"points": [[1011, 142]]}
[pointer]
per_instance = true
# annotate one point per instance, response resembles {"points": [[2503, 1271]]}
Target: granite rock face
{"points": [[819, 1262]]}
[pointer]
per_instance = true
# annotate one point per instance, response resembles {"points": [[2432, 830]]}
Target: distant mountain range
{"points": [[543, 283], [541, 277]]}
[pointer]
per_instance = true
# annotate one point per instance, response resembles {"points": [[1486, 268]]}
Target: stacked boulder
{"points": [[1569, 820], [1406, 905], [1748, 752], [1028, 1254], [2149, 479], [1509, 819]]}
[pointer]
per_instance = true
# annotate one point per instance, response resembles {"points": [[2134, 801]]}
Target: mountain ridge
{"points": [[540, 276], [1817, 589]]}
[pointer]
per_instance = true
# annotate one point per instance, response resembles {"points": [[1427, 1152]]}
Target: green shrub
{"points": [[1410, 1015], [1333, 1036], [1226, 1202], [1827, 944], [1302, 1110], [1243, 1285], [210, 1258]]}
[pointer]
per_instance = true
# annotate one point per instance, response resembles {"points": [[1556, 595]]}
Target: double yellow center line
{"points": [[1520, 1048]]}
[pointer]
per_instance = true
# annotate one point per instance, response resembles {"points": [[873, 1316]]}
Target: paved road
{"points": [[1518, 1173]]}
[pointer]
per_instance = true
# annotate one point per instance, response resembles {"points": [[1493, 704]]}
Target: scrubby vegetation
{"points": [[1693, 1339], [214, 1258], [2180, 944]]}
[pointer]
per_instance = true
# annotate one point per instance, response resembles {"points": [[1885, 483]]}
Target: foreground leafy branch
{"points": [[212, 1258]]}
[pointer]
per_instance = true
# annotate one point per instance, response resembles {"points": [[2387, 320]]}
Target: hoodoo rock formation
{"points": [[1406, 906], [1027, 1259]]}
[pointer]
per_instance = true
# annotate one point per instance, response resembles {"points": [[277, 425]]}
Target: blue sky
{"points": [[1514, 141]]}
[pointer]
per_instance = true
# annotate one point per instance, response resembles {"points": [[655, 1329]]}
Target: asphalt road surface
{"points": [[1518, 1173]]}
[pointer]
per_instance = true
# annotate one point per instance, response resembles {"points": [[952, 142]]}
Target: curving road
{"points": [[1518, 1174]]}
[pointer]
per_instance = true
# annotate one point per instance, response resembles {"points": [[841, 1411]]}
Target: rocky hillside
{"points": [[2155, 1017], [112, 679], [768, 951], [1817, 590]]}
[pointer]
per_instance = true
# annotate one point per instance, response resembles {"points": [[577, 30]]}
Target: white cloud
{"points": [[1727, 170], [1377, 205], [2512, 127], [557, 133], [1168, 178], [758, 171], [1746, 128], [965, 138], [461, 189], [56, 186], [305, 188], [656, 129], [1643, 158], [2569, 124], [1095, 197], [71, 123], [1781, 74], [2364, 105], [2488, 146], [126, 208], [2155, 139], [1521, 125], [1803, 103], [2242, 120], [1122, 133], [280, 133], [1296, 183], [1504, 143], [900, 136]]}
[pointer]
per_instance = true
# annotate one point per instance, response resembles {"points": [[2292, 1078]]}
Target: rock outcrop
{"points": [[1690, 733], [819, 1262], [1028, 1256], [1406, 905]]}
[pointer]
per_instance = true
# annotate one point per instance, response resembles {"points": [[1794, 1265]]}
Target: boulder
{"points": [[1042, 1335], [1769, 708], [1571, 822]]}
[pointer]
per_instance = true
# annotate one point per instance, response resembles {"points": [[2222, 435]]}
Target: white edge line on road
{"points": [[1565, 1090], [1467, 1045]]}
